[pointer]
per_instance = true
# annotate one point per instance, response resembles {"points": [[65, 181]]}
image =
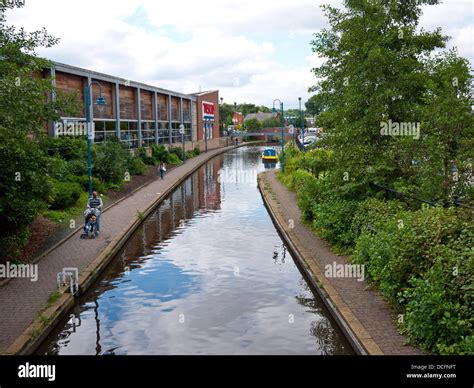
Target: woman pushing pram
{"points": [[92, 216]]}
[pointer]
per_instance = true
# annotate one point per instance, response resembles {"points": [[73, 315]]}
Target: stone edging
{"points": [[355, 333], [37, 332]]}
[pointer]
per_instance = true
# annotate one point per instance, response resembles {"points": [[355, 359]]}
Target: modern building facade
{"points": [[138, 114]]}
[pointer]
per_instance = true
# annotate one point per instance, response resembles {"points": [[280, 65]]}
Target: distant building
{"points": [[237, 118]]}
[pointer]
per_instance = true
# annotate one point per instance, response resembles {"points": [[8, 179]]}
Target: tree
{"points": [[226, 113], [252, 125], [376, 73], [24, 110], [271, 123], [314, 105]]}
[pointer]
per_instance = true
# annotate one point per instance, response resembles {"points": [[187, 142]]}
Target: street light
{"points": [[302, 125], [100, 102], [235, 116], [181, 131], [282, 133]]}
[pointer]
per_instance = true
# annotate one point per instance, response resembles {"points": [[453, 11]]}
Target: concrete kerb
{"points": [[37, 332], [357, 336]]}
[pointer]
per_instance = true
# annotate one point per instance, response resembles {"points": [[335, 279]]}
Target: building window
{"points": [[163, 133], [148, 133], [129, 133], [104, 130]]}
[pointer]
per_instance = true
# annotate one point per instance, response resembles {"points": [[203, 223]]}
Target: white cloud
{"points": [[231, 45]]}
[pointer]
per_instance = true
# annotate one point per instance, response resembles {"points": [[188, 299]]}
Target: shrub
{"points": [[196, 151], [173, 159], [69, 148], [373, 212], [178, 151], [303, 183], [190, 154], [332, 220], [64, 194], [439, 306], [402, 247], [160, 152], [58, 168], [97, 184], [77, 167], [150, 160], [110, 163], [136, 166]]}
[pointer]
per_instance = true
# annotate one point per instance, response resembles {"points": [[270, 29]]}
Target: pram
{"points": [[90, 223]]}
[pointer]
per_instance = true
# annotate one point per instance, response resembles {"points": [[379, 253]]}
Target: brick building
{"points": [[138, 114]]}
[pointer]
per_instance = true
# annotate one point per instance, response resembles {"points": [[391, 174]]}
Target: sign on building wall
{"points": [[207, 111]]}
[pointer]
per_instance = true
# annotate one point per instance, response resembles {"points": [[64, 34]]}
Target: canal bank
{"points": [[366, 319], [29, 310]]}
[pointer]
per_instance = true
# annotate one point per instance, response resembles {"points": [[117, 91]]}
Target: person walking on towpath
{"points": [[95, 202], [162, 169]]}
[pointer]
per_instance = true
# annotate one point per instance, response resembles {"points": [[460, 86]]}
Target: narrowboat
{"points": [[269, 155]]}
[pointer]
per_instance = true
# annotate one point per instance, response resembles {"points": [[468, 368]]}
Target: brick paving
{"points": [[21, 300], [371, 310]]}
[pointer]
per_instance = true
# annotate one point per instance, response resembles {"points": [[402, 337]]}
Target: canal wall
{"points": [[55, 310], [362, 315]]}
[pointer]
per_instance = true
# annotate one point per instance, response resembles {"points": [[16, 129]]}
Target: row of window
{"points": [[105, 130]]}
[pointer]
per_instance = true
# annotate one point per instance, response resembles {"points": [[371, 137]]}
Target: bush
{"points": [[332, 221], [439, 306], [97, 184], [77, 167], [173, 159], [303, 183], [403, 247], [64, 194], [178, 151], [110, 162], [69, 148], [196, 151], [159, 152], [373, 212], [136, 166], [58, 168], [150, 160]]}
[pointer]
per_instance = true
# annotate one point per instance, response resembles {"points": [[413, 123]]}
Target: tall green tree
{"points": [[24, 111], [377, 73]]}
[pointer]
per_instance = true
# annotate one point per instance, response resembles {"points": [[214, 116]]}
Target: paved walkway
{"points": [[21, 300], [368, 313]]}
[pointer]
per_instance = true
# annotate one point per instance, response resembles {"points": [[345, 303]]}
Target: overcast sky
{"points": [[253, 51]]}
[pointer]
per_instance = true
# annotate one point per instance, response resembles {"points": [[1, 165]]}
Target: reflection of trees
{"points": [[279, 254], [328, 339]]}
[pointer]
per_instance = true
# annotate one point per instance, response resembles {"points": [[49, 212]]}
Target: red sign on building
{"points": [[207, 110]]}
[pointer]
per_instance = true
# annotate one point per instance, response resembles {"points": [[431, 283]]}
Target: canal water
{"points": [[207, 273]]}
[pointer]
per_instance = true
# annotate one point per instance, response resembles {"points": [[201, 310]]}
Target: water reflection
{"points": [[206, 274]]}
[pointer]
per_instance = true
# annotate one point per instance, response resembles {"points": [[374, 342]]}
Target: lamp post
{"points": [[181, 131], [302, 125], [235, 116], [206, 123], [100, 102], [282, 134]]}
